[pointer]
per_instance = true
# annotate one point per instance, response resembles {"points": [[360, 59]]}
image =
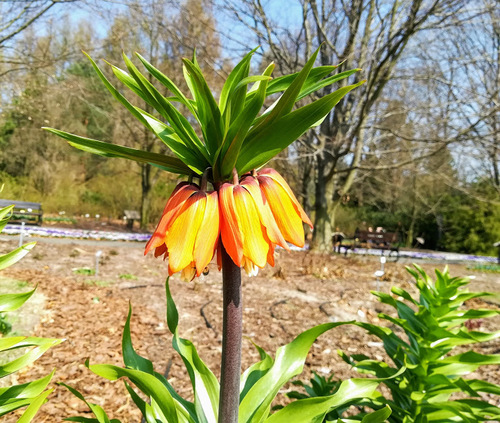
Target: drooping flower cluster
{"points": [[248, 218]]}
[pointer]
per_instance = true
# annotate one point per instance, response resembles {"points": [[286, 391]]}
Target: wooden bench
{"points": [[24, 211], [130, 216], [369, 240]]}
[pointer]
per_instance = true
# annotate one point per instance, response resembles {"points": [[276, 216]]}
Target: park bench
{"points": [[131, 216], [370, 240], [24, 211]]}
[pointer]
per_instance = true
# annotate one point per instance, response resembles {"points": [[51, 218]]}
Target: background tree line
{"points": [[415, 149]]}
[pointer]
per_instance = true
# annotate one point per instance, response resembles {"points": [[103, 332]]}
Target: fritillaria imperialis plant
{"points": [[237, 211]]}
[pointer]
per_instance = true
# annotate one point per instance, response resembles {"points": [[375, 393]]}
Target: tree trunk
{"points": [[322, 235], [145, 194]]}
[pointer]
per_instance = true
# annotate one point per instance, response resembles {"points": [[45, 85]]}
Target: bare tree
{"points": [[373, 35]]}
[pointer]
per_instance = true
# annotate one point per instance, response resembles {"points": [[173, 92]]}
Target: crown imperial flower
{"points": [[287, 211], [188, 230], [248, 218]]}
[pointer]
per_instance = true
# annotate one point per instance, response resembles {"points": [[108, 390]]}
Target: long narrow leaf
{"points": [[165, 80], [178, 122], [25, 390], [239, 128], [307, 409], [42, 345], [239, 72], [255, 372], [116, 94], [33, 408], [11, 302], [147, 383], [14, 256], [208, 111], [289, 362], [276, 137], [170, 164], [205, 384], [5, 214]]}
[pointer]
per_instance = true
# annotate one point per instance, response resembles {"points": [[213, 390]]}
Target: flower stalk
{"points": [[232, 327]]}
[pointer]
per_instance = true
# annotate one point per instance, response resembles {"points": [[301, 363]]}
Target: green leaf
{"points": [[101, 416], [11, 405], [208, 111], [116, 94], [289, 362], [9, 259], [179, 148], [175, 143], [308, 89], [33, 408], [377, 416], [172, 314], [184, 407], [283, 82], [6, 212], [205, 384], [11, 302], [310, 408], [239, 128], [165, 80], [130, 357], [147, 383], [170, 164], [41, 345], [146, 409], [5, 215], [25, 390], [88, 420], [462, 364], [259, 147], [177, 121], [287, 101], [255, 372], [17, 396], [239, 72]]}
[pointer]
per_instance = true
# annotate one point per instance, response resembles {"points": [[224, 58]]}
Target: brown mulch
{"points": [[303, 290]]}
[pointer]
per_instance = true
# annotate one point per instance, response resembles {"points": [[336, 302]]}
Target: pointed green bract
{"points": [[167, 82], [239, 128], [208, 112], [236, 132], [239, 72], [105, 149], [262, 144], [177, 121]]}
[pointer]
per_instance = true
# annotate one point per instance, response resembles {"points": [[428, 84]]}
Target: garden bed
{"points": [[304, 289]]}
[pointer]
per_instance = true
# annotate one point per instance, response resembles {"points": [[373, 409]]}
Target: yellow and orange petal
{"points": [[284, 206], [174, 205], [266, 216], [243, 230], [188, 231]]}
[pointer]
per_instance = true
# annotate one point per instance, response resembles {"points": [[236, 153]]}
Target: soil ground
{"points": [[303, 289]]}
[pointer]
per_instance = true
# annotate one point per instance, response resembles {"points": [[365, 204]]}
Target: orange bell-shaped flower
{"points": [[188, 230], [284, 206], [248, 230]]}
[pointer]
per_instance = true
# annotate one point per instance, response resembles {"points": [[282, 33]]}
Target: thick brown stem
{"points": [[232, 326]]}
